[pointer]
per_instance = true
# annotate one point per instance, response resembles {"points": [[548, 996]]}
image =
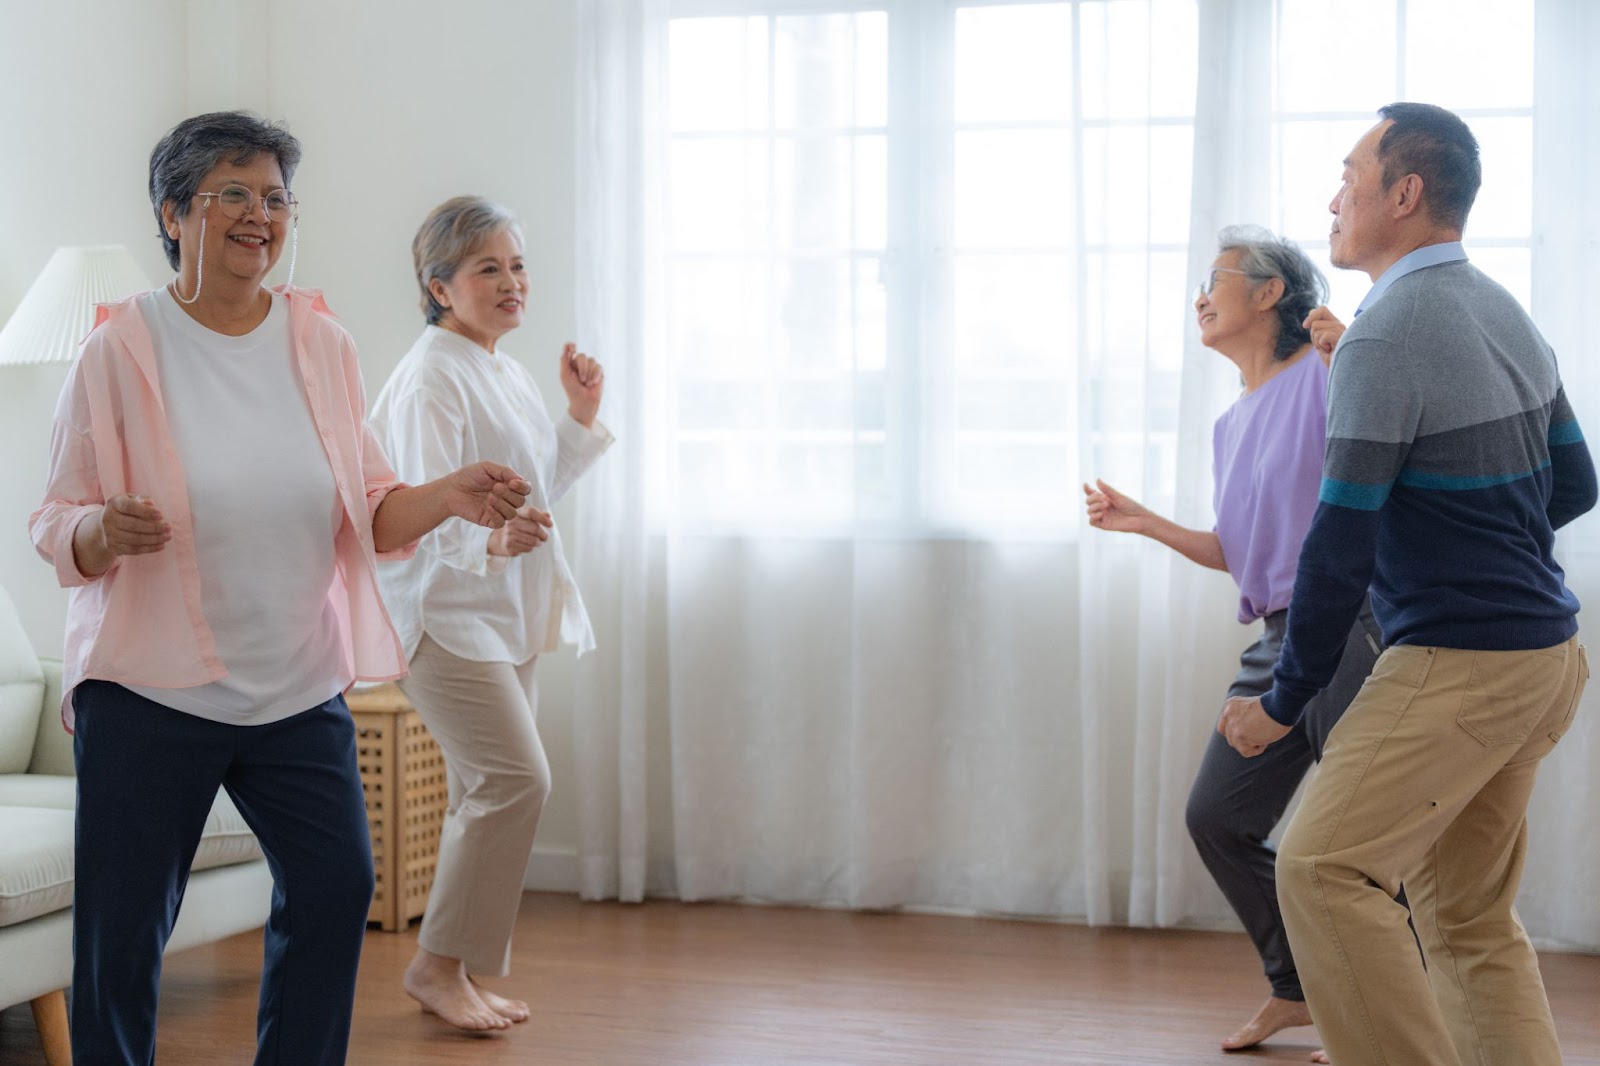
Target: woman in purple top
{"points": [[1267, 456]]}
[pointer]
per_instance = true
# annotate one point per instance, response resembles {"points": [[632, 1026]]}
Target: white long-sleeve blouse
{"points": [[450, 403]]}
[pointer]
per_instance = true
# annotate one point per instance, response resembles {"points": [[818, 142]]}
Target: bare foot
{"points": [[440, 984], [514, 1009], [1322, 1057], [1274, 1014]]}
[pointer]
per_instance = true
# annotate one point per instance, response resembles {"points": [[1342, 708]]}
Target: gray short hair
{"points": [[450, 233], [1264, 256], [183, 158]]}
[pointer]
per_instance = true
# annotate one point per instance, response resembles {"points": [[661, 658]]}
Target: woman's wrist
{"points": [[91, 554]]}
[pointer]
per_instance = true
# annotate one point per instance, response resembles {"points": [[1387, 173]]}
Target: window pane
{"points": [[717, 77], [1138, 58], [1116, 177], [1117, 306], [1003, 478], [1174, 60], [1013, 63], [1169, 309], [1310, 158], [831, 71], [1013, 313], [719, 195], [1470, 53], [1031, 406], [1336, 56], [1136, 184], [718, 317], [1013, 189], [1504, 207], [1172, 161], [830, 315], [833, 192]]}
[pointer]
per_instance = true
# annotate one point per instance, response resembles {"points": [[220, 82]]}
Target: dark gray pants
{"points": [[1235, 802]]}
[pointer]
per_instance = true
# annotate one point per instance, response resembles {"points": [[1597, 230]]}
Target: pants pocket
{"points": [[1577, 694], [1508, 694]]}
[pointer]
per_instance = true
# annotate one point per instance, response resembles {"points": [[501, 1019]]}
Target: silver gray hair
{"points": [[1263, 255], [183, 158], [450, 233]]}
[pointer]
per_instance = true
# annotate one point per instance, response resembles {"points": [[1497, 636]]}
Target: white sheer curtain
{"points": [[1559, 903], [616, 54], [857, 647]]}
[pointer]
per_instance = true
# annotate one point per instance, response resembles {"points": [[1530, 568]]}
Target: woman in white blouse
{"points": [[475, 609]]}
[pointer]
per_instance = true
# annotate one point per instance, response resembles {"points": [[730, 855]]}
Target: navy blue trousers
{"points": [[147, 776]]}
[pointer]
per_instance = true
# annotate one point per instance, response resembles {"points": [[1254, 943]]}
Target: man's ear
{"points": [[1405, 196]]}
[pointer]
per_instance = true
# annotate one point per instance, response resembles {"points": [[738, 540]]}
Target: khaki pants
{"points": [[1426, 780], [482, 716]]}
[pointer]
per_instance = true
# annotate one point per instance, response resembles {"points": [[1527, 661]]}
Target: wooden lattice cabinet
{"points": [[403, 778]]}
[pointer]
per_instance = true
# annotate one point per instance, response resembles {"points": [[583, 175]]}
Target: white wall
{"points": [[89, 86], [398, 104]]}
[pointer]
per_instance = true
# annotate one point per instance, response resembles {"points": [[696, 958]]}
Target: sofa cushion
{"points": [[35, 862], [21, 691], [52, 745], [36, 843], [227, 839], [38, 790]]}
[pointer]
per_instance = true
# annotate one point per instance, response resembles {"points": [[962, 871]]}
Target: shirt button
{"points": [[341, 486], [327, 433]]}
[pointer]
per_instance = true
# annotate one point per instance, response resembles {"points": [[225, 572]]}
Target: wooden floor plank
{"points": [[669, 984]]}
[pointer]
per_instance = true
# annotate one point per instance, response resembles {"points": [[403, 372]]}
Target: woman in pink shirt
{"points": [[216, 504]]}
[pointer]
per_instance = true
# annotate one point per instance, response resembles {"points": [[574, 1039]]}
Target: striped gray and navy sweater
{"points": [[1453, 456]]}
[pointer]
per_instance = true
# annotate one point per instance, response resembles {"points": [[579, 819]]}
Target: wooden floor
{"points": [[667, 984]]}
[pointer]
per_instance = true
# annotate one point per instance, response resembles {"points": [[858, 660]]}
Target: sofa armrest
{"points": [[52, 744]]}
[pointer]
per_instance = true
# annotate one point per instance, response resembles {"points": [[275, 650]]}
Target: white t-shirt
{"points": [[450, 403], [265, 512]]}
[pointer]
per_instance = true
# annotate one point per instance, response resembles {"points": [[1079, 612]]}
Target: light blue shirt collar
{"points": [[1426, 256]]}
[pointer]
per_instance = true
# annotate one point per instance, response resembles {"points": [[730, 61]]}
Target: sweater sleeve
{"points": [[1373, 414], [1572, 476]]}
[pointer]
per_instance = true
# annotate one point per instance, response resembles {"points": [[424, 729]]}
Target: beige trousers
{"points": [[1426, 781], [482, 716]]}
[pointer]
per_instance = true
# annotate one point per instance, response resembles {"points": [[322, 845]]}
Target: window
{"points": [[913, 252], [1472, 56]]}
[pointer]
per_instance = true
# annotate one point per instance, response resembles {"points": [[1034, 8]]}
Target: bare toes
{"points": [[455, 1002], [1275, 1014], [513, 1009]]}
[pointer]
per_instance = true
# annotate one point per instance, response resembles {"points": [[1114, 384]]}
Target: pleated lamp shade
{"points": [[58, 309]]}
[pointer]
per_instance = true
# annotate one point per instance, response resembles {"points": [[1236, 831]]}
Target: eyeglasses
{"points": [[1205, 289], [237, 202]]}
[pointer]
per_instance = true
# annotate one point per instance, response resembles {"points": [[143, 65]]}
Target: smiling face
{"points": [[1360, 234], [1230, 308], [489, 294], [246, 248]]}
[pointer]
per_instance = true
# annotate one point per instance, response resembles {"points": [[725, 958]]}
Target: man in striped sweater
{"points": [[1453, 456]]}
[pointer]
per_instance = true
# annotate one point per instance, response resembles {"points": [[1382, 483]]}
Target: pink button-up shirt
{"points": [[141, 621]]}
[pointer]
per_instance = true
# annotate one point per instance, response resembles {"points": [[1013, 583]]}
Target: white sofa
{"points": [[230, 888]]}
